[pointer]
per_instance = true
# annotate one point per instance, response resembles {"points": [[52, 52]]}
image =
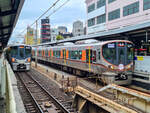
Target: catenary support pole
{"points": [[36, 43]]}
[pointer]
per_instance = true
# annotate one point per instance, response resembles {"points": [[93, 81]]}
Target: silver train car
{"points": [[112, 61], [19, 57]]}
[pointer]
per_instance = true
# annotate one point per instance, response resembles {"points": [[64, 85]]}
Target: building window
{"points": [[101, 19], [109, 1], [131, 9], [91, 8], [101, 3], [114, 14], [91, 22], [146, 4]]}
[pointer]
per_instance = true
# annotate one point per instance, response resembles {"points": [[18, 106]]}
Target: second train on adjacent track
{"points": [[19, 57], [112, 60]]}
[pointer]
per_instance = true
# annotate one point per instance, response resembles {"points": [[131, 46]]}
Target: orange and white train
{"points": [[112, 60]]}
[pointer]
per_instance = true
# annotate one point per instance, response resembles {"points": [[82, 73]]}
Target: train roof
{"points": [[17, 45], [93, 44], [83, 45]]}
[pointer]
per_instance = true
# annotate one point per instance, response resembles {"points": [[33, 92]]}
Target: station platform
{"points": [[10, 99], [141, 75]]}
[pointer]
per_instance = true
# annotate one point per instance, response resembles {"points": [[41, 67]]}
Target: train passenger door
{"points": [[89, 56], [64, 54]]}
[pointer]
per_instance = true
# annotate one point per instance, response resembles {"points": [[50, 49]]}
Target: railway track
{"points": [[92, 86], [37, 99]]}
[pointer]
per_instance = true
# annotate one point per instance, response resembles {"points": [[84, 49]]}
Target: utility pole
{"points": [[146, 37], [36, 43]]}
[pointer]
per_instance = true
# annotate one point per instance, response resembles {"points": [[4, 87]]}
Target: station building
{"points": [[104, 15]]}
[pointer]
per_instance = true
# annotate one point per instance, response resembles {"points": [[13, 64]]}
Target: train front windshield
{"points": [[14, 51], [28, 51], [21, 51], [118, 53]]}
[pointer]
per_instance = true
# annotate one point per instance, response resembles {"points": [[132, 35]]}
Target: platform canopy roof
{"points": [[135, 33], [9, 12]]}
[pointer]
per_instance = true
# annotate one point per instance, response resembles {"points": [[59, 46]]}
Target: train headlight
{"points": [[121, 66], [29, 59], [13, 59], [129, 66], [110, 66]]}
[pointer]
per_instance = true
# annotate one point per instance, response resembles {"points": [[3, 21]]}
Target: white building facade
{"points": [[96, 16], [105, 15], [78, 28]]}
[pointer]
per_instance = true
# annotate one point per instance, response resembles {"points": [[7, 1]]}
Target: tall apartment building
{"points": [[29, 37], [45, 30], [78, 28], [113, 14]]}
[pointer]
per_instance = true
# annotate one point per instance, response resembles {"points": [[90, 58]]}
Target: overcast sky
{"points": [[72, 11]]}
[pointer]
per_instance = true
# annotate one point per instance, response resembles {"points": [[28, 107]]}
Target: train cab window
{"points": [[21, 52], [14, 51], [109, 53], [28, 51], [121, 54], [130, 53]]}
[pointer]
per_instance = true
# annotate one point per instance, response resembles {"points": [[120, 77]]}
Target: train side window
{"points": [[46, 54], [54, 54], [58, 54], [39, 52], [72, 54], [80, 54], [14, 51], [94, 56], [99, 54], [76, 55]]}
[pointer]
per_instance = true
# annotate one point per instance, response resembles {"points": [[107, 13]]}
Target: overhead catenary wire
{"points": [[58, 8], [42, 15]]}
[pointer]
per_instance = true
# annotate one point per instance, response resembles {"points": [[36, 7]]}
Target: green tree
{"points": [[59, 37]]}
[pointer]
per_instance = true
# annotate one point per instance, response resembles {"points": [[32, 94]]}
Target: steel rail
{"points": [[38, 108], [56, 102]]}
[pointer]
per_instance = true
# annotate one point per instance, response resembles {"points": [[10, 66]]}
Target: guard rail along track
{"points": [[44, 102]]}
